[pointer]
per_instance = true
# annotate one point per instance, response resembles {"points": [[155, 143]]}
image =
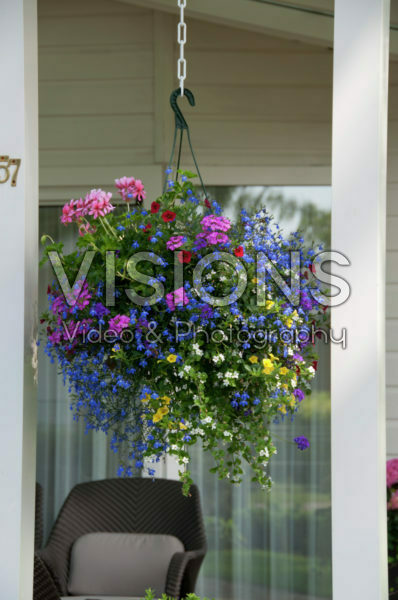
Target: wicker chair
{"points": [[124, 506], [38, 517]]}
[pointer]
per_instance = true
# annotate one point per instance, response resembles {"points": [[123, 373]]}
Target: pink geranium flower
{"points": [[176, 298], [139, 192], [118, 323], [98, 203], [68, 213], [129, 187], [176, 241], [125, 185]]}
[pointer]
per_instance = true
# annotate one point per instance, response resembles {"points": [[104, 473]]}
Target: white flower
{"points": [[218, 358], [197, 350], [207, 420], [311, 371], [174, 447], [264, 452], [184, 460]]}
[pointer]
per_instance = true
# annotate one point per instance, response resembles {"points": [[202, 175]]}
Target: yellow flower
{"points": [[295, 314], [166, 400], [157, 417], [146, 398], [283, 410], [283, 370], [293, 401], [163, 410], [253, 359], [268, 366], [254, 280], [183, 426], [171, 358], [289, 322], [272, 357], [269, 304], [285, 386]]}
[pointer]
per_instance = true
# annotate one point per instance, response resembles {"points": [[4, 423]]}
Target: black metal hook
{"points": [[180, 121]]}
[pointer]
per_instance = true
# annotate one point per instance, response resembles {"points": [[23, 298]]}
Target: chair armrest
{"points": [[183, 571], [44, 587]]}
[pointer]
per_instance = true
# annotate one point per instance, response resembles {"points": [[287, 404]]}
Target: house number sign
{"points": [[6, 164]]}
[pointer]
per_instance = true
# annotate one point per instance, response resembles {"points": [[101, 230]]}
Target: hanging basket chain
{"points": [[180, 124], [182, 39]]}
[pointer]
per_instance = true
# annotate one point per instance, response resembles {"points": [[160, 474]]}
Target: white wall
{"points": [[106, 72]]}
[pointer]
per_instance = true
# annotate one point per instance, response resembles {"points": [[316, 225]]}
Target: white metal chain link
{"points": [[182, 38]]}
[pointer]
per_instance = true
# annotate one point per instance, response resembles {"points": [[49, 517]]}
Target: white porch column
{"points": [[359, 217], [18, 277]]}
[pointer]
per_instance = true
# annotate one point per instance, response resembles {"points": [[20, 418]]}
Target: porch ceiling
{"points": [[313, 24]]}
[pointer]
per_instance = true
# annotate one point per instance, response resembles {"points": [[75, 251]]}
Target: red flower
{"points": [[155, 207], [298, 370], [148, 226], [207, 203], [315, 365], [239, 252], [312, 268], [168, 216], [185, 256]]}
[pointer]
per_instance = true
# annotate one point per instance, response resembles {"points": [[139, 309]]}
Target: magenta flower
{"points": [[176, 298], [393, 503], [68, 213], [139, 192], [214, 223], [125, 185], [392, 472], [58, 305], [55, 336], [129, 187], [86, 228], [79, 297], [98, 203], [175, 242], [201, 241], [217, 238], [118, 323]]}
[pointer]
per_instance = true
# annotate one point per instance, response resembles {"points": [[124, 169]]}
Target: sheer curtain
{"points": [[66, 455], [277, 545]]}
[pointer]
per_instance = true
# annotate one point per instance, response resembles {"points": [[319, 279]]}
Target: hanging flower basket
{"points": [[175, 331]]}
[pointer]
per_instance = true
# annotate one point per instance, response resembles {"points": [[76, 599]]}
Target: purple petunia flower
{"points": [[302, 442], [299, 394]]}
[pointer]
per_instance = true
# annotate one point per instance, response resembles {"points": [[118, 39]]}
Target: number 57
{"points": [[5, 169]]}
